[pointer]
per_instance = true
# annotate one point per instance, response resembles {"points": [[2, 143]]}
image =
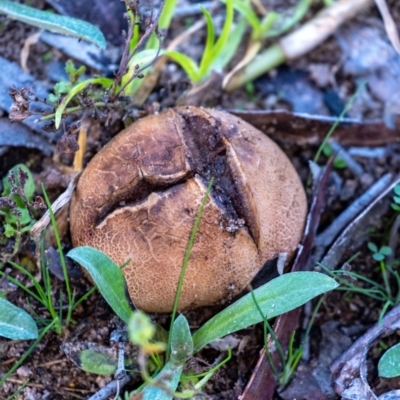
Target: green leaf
{"points": [[9, 230], [208, 49], [70, 68], [385, 250], [223, 39], [186, 63], [53, 22], [15, 323], [169, 376], [228, 52], [29, 187], [142, 59], [51, 98], [244, 8], [62, 87], [373, 247], [378, 257], [276, 297], [396, 199], [181, 341], [339, 163], [105, 82], [107, 276], [92, 357], [389, 364], [97, 363], [396, 207], [327, 150]]}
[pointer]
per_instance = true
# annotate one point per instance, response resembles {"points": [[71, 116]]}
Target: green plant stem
{"points": [[334, 126], [72, 110], [20, 389], [185, 264], [85, 296], [267, 327], [62, 259], [299, 12], [386, 279], [26, 354], [265, 61]]}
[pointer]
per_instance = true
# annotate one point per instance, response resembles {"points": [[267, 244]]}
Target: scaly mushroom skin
{"points": [[139, 196]]}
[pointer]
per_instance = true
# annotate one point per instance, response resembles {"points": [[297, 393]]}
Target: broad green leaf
{"points": [[105, 82], [107, 276], [276, 297], [97, 363], [385, 250], [389, 364], [373, 247], [181, 342], [169, 376], [93, 357], [15, 323], [53, 22], [142, 59], [378, 257]]}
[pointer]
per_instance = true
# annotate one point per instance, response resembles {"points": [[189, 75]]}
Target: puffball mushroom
{"points": [[139, 196]]}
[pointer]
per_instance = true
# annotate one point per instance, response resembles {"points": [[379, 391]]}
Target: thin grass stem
{"points": [[185, 264]]}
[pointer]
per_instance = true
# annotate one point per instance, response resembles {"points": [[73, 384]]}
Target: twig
{"points": [[390, 25], [337, 249], [351, 164], [110, 389], [327, 237]]}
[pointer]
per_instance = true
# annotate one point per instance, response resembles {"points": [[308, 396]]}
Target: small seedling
{"points": [[16, 201], [217, 53], [17, 207], [43, 292], [328, 152], [379, 254], [278, 296]]}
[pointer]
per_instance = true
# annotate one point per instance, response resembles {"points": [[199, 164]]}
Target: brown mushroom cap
{"points": [[139, 196]]}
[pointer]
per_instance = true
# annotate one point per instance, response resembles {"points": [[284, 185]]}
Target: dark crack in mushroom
{"points": [[139, 196]]}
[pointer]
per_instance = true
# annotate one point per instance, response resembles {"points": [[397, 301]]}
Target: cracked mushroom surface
{"points": [[139, 196]]}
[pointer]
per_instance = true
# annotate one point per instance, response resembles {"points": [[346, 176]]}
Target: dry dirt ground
{"points": [[320, 83]]}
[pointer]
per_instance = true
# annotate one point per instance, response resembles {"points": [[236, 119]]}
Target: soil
{"points": [[320, 83]]}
